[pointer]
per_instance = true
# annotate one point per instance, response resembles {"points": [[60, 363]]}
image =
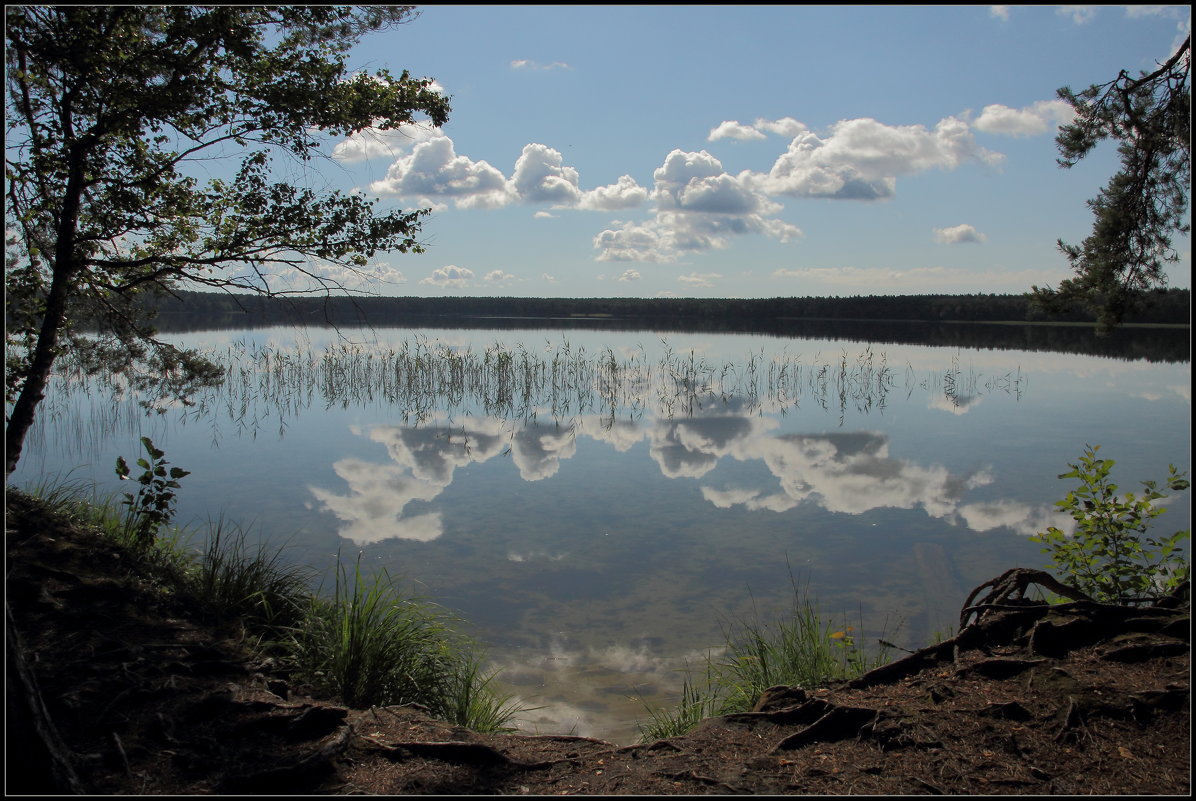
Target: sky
{"points": [[745, 151]]}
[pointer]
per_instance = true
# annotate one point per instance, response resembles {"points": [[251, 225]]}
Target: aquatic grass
{"points": [[472, 700], [369, 645], [795, 649], [695, 705], [229, 579]]}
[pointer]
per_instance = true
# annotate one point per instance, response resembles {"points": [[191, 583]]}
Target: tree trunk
{"points": [[41, 361], [40, 364]]}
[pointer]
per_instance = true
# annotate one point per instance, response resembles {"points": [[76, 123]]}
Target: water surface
{"points": [[598, 505]]}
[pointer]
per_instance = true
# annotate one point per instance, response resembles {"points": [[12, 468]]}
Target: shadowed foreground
{"points": [[1074, 698]]}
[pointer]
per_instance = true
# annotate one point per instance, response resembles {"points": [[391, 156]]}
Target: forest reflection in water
{"points": [[597, 507]]}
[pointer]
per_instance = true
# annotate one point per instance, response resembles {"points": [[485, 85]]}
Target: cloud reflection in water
{"points": [[849, 472]]}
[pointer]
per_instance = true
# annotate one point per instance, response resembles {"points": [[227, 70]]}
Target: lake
{"points": [[600, 504]]}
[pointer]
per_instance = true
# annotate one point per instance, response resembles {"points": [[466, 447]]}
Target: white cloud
{"points": [[375, 143], [449, 275], [434, 170], [860, 159], [999, 12], [734, 130], [700, 281], [498, 276], [629, 275], [786, 126], [1080, 15], [528, 64], [699, 207], [1039, 118], [958, 235], [540, 176], [624, 194], [543, 215]]}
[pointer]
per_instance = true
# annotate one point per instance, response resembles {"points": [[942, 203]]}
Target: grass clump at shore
{"points": [[371, 646], [366, 645], [796, 649]]}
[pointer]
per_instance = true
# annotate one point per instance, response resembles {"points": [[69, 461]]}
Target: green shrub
{"points": [[1109, 556], [153, 506]]}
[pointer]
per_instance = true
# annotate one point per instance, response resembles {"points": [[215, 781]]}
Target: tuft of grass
{"points": [[370, 646], [695, 705], [231, 580], [796, 649]]}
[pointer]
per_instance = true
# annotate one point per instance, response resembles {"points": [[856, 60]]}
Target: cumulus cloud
{"points": [[449, 276], [376, 143], [958, 235], [433, 173], [434, 170], [699, 206], [629, 275], [498, 276], [999, 12], [861, 159], [786, 126], [624, 194], [729, 129], [541, 176], [1039, 118]]}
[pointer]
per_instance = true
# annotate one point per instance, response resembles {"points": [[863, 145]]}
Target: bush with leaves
{"points": [[1109, 555], [153, 506]]}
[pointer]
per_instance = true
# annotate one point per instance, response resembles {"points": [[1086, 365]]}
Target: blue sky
{"points": [[746, 151]]}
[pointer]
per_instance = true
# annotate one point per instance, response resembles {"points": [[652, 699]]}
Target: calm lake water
{"points": [[599, 504]]}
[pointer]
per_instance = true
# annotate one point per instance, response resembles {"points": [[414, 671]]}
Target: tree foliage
{"points": [[1145, 202], [115, 113]]}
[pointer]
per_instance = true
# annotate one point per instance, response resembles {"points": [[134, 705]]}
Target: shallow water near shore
{"points": [[601, 506]]}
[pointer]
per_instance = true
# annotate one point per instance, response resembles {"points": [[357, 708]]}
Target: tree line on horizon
{"points": [[1164, 306]]}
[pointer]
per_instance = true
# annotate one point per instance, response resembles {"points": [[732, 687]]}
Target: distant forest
{"points": [[1166, 306], [1161, 333]]}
